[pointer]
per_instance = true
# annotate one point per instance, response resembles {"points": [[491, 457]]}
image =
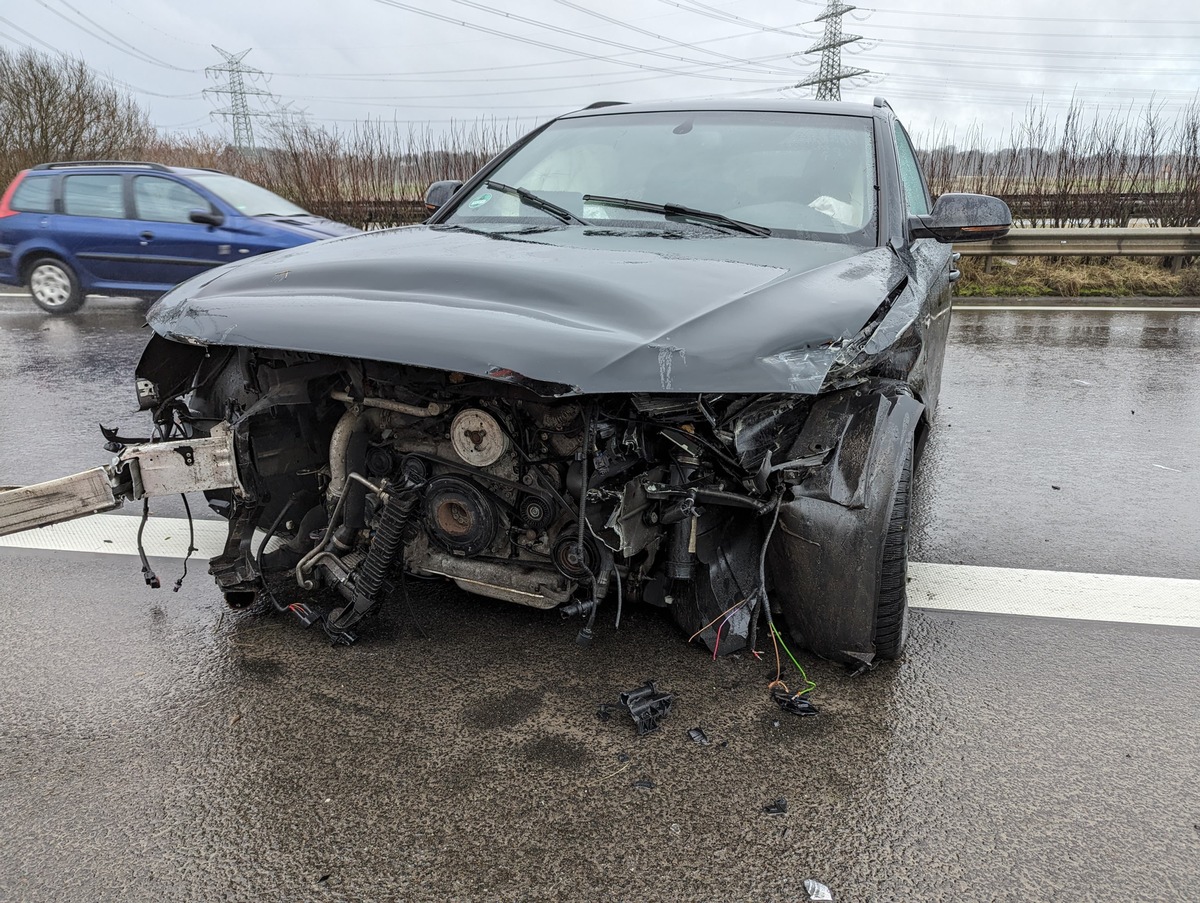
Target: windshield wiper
{"points": [[678, 210], [532, 200]]}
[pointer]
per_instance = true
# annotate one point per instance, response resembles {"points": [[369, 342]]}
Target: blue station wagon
{"points": [[68, 230]]}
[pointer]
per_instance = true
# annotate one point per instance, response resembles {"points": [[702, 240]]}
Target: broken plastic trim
{"points": [[647, 706], [793, 703]]}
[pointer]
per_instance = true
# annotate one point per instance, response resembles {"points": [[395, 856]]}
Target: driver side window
{"points": [[165, 200]]}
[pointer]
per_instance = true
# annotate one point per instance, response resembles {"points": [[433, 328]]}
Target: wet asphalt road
{"points": [[159, 748]]}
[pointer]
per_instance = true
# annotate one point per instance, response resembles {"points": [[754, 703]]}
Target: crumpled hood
{"points": [[593, 309]]}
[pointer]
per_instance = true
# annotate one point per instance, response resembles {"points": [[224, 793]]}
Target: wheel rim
{"points": [[50, 285]]}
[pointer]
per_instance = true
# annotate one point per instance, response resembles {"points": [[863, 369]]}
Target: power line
{"points": [[701, 9], [544, 44], [594, 39], [121, 44], [613, 58], [642, 31], [97, 73], [1074, 20]]}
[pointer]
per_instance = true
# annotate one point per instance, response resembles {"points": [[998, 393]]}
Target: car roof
{"points": [[774, 105]]}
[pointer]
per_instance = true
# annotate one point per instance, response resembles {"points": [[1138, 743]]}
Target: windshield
{"points": [[797, 174], [248, 198]]}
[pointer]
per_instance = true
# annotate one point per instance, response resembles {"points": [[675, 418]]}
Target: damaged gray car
{"points": [[682, 355]]}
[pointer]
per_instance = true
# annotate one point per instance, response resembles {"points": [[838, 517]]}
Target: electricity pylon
{"points": [[238, 111], [831, 74]]}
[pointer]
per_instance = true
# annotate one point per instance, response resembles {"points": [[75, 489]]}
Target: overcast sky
{"points": [[943, 65]]}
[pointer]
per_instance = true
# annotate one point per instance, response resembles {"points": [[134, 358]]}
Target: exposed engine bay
{"points": [[551, 503]]}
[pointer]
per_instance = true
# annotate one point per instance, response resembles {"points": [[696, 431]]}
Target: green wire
{"points": [[809, 685]]}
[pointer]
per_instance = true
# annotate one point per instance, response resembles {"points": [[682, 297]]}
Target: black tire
{"points": [[891, 613], [53, 286]]}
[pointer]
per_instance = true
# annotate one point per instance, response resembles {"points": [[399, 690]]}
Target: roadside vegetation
{"points": [[1135, 168], [1073, 277]]}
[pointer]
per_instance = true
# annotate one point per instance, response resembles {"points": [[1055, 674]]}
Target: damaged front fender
{"points": [[825, 561]]}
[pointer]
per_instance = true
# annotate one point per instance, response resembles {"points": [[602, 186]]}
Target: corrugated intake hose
{"points": [[363, 595]]}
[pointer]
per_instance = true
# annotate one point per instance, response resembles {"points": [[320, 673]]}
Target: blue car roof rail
{"points": [[158, 167]]}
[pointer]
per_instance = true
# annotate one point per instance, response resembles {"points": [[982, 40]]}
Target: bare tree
{"points": [[56, 108]]}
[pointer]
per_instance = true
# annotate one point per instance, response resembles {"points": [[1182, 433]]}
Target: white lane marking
{"points": [[1078, 307], [1055, 594], [952, 587], [115, 534]]}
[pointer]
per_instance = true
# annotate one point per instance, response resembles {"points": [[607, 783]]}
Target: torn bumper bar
{"points": [[142, 471]]}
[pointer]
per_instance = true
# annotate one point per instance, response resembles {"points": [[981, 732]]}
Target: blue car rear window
{"points": [[34, 195], [94, 195]]}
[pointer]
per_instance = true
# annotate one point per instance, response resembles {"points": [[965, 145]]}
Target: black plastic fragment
{"points": [[623, 757], [793, 703], [644, 784], [779, 807], [647, 706], [697, 735], [604, 711]]}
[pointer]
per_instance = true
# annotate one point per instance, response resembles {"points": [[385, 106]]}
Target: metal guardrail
{"points": [[1088, 243]]}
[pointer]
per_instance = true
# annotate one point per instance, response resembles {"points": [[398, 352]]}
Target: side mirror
{"points": [[963, 217], [207, 217], [438, 193]]}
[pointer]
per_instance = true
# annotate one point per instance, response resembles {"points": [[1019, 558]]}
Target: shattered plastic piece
{"points": [[644, 784], [697, 735], [779, 807], [604, 711], [1052, 486], [816, 890], [647, 706], [623, 757], [793, 703]]}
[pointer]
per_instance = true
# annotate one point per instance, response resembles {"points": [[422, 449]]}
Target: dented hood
{"points": [[589, 309]]}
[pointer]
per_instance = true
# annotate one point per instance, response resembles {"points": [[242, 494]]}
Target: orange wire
{"points": [[717, 618], [778, 667]]}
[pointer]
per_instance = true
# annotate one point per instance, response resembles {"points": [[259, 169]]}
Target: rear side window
{"points": [[34, 195], [94, 195], [165, 200], [910, 174]]}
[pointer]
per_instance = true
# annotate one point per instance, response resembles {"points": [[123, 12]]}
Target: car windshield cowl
{"points": [[678, 210]]}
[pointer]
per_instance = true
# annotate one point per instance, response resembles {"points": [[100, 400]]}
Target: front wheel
{"points": [[891, 613], [54, 287]]}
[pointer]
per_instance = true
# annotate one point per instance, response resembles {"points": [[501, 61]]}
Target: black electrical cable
{"points": [[263, 545], [147, 571], [762, 566], [408, 602], [585, 636], [191, 541]]}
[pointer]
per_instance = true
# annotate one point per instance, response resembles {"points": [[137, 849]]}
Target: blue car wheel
{"points": [[53, 286]]}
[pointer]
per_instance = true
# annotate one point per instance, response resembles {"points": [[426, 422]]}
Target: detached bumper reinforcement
{"points": [[141, 471]]}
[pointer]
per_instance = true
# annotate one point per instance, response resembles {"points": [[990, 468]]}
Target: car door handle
{"points": [[146, 236], [955, 272]]}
